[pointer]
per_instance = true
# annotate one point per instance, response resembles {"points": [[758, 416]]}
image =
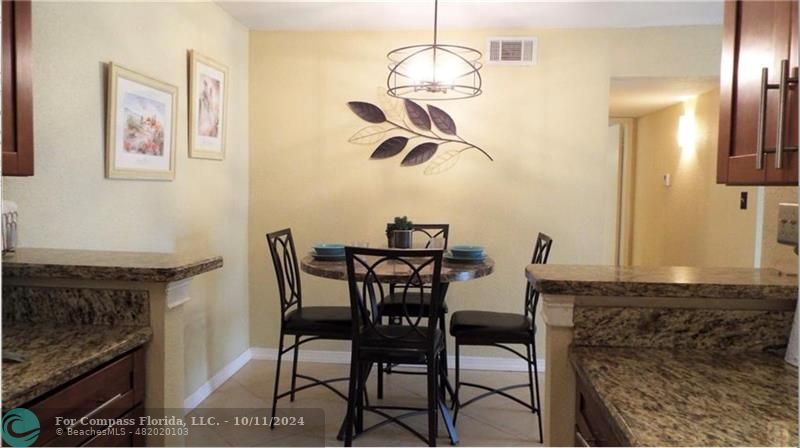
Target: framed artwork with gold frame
{"points": [[208, 112], [141, 124]]}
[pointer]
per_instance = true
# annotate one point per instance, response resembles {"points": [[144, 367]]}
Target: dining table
{"points": [[452, 271]]}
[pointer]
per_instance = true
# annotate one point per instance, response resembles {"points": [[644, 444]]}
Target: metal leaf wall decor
{"points": [[432, 129]]}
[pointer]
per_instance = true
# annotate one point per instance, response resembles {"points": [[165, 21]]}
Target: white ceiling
{"points": [[416, 14], [634, 97]]}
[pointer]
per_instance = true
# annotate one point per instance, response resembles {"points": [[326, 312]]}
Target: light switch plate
{"points": [[787, 224]]}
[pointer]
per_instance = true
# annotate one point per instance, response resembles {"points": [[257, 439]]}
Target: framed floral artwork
{"points": [[208, 95], [141, 124]]}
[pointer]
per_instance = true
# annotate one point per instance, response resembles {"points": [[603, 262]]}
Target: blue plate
{"points": [[448, 256], [467, 251], [329, 249]]}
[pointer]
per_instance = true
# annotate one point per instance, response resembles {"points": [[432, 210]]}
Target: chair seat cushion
{"points": [[393, 305], [320, 320], [487, 327], [397, 343]]}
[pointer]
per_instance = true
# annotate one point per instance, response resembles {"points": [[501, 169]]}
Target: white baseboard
{"points": [[216, 381], [339, 357]]}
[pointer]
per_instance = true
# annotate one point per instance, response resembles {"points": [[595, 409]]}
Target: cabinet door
{"points": [[17, 89], [756, 35], [787, 174]]}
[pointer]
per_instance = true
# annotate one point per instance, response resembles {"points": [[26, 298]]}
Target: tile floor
{"points": [[493, 421]]}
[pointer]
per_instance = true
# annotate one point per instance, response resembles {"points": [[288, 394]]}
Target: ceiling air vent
{"points": [[513, 50]]}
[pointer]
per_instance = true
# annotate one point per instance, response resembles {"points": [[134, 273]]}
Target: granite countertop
{"points": [[664, 281], [693, 398], [55, 354], [106, 265]]}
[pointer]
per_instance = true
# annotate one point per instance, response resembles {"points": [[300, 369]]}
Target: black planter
{"points": [[402, 239]]}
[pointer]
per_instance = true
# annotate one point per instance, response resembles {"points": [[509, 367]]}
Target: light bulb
{"points": [[687, 132]]}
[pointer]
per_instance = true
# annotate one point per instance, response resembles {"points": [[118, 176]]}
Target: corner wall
{"points": [[69, 203]]}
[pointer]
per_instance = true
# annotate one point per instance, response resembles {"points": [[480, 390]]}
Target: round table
{"points": [[398, 272]]}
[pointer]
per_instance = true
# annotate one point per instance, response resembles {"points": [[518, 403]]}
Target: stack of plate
{"points": [[465, 254], [328, 252]]}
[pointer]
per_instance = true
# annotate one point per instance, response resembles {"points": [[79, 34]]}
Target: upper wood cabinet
{"points": [[758, 94], [17, 89]]}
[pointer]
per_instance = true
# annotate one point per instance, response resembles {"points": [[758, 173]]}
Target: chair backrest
{"points": [[410, 271], [541, 252], [284, 259], [430, 231]]}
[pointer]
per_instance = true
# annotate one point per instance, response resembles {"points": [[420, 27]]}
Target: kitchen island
{"points": [[713, 310]]}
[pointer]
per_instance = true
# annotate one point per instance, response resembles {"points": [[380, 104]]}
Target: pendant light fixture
{"points": [[431, 72]]}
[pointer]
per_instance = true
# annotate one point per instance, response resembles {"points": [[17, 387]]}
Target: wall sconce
{"points": [[687, 133]]}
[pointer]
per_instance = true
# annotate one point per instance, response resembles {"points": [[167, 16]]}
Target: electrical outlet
{"points": [[787, 224]]}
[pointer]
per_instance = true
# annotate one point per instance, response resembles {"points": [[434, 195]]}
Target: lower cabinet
{"points": [[76, 414], [592, 425]]}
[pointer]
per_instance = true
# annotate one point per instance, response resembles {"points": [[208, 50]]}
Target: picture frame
{"points": [[208, 107], [141, 126]]}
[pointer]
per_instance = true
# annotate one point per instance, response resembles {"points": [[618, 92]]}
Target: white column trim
{"points": [[557, 310], [759, 232], [178, 292]]}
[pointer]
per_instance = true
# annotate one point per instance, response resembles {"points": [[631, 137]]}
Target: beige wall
{"points": [[694, 222], [69, 204], [774, 255], [546, 126]]}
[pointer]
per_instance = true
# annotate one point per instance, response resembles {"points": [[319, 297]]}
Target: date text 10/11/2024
{"points": [[173, 421]]}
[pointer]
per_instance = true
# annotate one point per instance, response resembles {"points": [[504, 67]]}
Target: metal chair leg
{"points": [[380, 378], [392, 321], [538, 395], [277, 381], [362, 387], [294, 366], [456, 401], [433, 400], [443, 329], [380, 381], [351, 402], [530, 379]]}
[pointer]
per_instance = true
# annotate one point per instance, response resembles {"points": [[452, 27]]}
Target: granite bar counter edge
{"points": [[106, 265], [663, 281]]}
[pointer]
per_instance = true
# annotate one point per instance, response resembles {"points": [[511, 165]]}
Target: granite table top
{"points": [[662, 281], [693, 398], [390, 272], [106, 265], [55, 354]]}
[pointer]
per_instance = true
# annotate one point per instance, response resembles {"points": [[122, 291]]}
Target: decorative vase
{"points": [[402, 239]]}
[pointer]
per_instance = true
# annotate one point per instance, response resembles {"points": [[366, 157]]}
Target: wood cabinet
{"points": [[17, 88], [112, 391], [758, 133], [593, 425]]}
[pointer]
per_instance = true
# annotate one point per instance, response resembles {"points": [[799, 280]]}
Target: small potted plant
{"points": [[402, 230]]}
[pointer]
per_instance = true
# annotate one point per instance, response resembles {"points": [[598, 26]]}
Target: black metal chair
{"points": [[307, 323], [411, 342], [488, 328], [393, 305]]}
